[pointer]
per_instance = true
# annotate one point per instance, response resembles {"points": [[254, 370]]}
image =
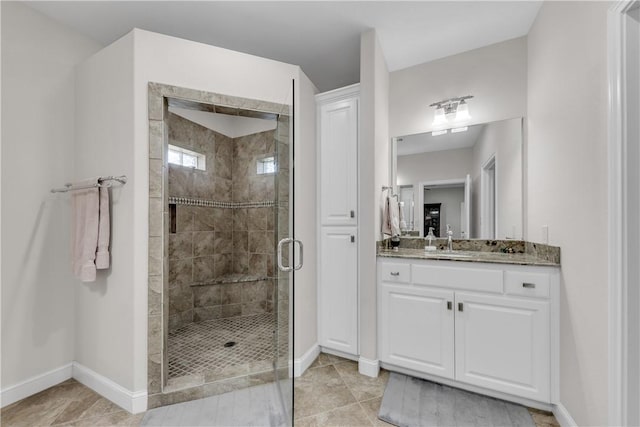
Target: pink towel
{"points": [[102, 254], [85, 209], [90, 230]]}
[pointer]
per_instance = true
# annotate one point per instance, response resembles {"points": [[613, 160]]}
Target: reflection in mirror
{"points": [[471, 180]]}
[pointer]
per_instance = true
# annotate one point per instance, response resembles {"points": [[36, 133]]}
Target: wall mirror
{"points": [[470, 178]]}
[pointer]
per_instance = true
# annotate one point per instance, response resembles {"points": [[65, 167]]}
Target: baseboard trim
{"points": [[35, 385], [302, 364], [563, 416], [132, 401], [368, 367]]}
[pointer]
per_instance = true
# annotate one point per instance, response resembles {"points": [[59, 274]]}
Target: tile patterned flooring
{"points": [[67, 404], [197, 348], [330, 393]]}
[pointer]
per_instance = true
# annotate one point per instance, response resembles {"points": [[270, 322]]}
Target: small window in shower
{"points": [[266, 165], [187, 158]]}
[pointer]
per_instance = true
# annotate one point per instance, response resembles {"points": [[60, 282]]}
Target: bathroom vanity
{"points": [[484, 321]]}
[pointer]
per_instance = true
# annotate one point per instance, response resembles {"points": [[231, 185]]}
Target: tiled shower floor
{"points": [[198, 348]]}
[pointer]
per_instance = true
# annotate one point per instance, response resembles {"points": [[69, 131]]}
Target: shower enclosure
{"points": [[225, 303]]}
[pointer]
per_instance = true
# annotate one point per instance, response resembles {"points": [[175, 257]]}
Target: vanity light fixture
{"points": [[439, 132], [450, 112]]}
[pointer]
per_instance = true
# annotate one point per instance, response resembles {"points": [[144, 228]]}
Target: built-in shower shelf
{"points": [[231, 278]]}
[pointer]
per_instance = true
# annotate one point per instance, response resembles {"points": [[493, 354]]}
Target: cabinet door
{"points": [[416, 328], [339, 162], [502, 343], [338, 289]]}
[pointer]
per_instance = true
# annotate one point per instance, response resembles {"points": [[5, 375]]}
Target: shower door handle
{"points": [[281, 244]]}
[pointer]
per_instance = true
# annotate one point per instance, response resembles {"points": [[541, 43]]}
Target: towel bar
{"points": [[103, 179]]}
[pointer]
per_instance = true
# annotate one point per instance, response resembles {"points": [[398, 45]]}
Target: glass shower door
{"points": [[283, 309]]}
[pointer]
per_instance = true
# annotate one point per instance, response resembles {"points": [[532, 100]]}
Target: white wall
{"points": [[173, 61], [38, 107], [434, 166], [632, 23], [306, 318], [373, 159], [231, 126], [567, 187], [504, 139], [496, 75], [104, 310]]}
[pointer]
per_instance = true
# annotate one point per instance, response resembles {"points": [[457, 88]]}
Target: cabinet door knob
{"points": [[460, 307], [449, 305], [353, 238], [529, 285], [353, 214], [395, 273]]}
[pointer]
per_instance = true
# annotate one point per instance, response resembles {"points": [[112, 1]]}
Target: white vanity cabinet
{"points": [[338, 220], [416, 328], [485, 327]]}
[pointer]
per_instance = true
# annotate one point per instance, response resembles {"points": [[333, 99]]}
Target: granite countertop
{"points": [[469, 256]]}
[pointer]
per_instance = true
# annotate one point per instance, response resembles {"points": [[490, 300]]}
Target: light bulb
{"points": [[439, 119], [462, 113]]}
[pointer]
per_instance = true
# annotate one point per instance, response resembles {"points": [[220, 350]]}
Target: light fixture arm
{"points": [[444, 103]]}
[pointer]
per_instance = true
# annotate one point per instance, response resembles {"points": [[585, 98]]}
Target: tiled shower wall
{"points": [[213, 242]]}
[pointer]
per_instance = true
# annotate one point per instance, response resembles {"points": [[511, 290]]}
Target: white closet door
{"points": [[338, 289], [338, 162]]}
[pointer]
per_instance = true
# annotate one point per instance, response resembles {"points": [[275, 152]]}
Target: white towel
{"points": [[386, 218], [104, 230], [84, 227], [394, 216]]}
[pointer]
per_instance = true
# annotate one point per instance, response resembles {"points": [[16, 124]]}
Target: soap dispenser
{"points": [[430, 238]]}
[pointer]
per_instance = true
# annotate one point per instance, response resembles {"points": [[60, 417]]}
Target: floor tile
{"points": [[322, 360], [204, 347], [371, 408], [351, 415], [320, 390], [362, 386], [43, 408], [121, 418], [543, 418]]}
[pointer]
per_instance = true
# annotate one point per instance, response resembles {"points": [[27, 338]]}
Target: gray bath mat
{"points": [[254, 406], [412, 402]]}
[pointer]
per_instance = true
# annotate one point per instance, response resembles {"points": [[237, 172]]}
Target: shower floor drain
{"points": [[230, 344]]}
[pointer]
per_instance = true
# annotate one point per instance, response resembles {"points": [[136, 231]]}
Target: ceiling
{"points": [[323, 37], [427, 143]]}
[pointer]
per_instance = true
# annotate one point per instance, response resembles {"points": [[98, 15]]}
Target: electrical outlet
{"points": [[545, 234]]}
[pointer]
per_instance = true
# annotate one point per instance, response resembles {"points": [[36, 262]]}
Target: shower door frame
{"points": [[158, 250]]}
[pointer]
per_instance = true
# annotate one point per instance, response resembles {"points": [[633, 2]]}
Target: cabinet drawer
{"points": [[391, 272], [471, 279], [527, 284]]}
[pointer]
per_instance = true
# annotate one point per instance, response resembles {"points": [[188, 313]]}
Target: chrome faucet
{"points": [[449, 238]]}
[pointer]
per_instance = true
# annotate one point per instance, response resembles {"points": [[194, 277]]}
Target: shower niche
{"points": [[225, 304]]}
